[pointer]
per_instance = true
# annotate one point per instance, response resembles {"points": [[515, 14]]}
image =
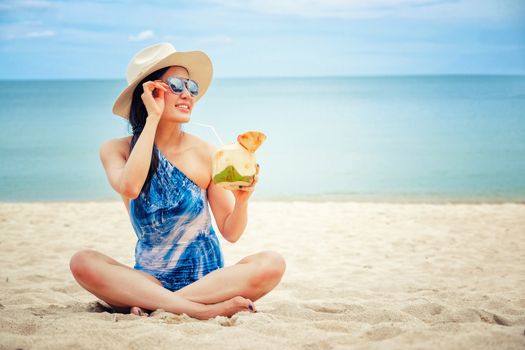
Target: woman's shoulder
{"points": [[205, 148], [119, 144], [119, 141]]}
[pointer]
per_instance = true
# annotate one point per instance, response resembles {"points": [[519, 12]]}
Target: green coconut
{"points": [[233, 166], [230, 174]]}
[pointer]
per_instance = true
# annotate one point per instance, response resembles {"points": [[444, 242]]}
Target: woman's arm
{"points": [[137, 166], [128, 176], [235, 223]]}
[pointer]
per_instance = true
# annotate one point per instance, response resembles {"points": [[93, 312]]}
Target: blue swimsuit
{"points": [[176, 241]]}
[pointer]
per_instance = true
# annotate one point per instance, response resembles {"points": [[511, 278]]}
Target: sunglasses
{"points": [[177, 85]]}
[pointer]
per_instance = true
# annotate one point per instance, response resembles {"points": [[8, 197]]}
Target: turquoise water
{"points": [[379, 138]]}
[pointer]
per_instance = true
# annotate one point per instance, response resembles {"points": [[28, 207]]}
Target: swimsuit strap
{"points": [[169, 164]]}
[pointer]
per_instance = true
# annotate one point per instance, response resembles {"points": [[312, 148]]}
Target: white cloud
{"points": [[14, 34], [173, 38], [36, 4], [25, 5], [147, 34], [361, 9], [41, 34], [331, 8], [215, 40]]}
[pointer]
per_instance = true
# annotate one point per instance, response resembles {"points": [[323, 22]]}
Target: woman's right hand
{"points": [[154, 104]]}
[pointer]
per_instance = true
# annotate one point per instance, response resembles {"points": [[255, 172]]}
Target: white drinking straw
{"points": [[212, 128]]}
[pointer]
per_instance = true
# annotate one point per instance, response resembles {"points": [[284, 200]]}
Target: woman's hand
{"points": [[154, 104], [244, 192]]}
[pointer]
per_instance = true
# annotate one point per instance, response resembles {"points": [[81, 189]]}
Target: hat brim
{"points": [[197, 63]]}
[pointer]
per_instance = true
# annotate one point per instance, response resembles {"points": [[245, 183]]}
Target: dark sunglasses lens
{"points": [[193, 87], [176, 85]]}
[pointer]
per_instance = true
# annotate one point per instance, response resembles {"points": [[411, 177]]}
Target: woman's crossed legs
{"points": [[224, 292]]}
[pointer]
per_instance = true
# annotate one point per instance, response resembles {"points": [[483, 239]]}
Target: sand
{"points": [[359, 276]]}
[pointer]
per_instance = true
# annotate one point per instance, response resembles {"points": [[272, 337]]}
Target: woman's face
{"points": [[174, 104]]}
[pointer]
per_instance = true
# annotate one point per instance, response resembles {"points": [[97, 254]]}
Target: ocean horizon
{"points": [[266, 77], [402, 138]]}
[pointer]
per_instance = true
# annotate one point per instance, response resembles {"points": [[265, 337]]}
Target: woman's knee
{"points": [[83, 266], [270, 268]]}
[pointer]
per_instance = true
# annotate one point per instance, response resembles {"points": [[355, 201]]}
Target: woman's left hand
{"points": [[244, 192]]}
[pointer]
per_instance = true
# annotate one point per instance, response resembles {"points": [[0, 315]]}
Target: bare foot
{"points": [[230, 307], [135, 310]]}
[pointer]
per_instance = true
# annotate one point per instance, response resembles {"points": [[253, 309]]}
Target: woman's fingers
{"points": [[246, 188], [153, 96], [155, 84], [160, 89], [251, 187], [161, 84], [149, 86]]}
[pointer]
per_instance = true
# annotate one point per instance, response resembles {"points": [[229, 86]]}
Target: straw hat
{"points": [[158, 56]]}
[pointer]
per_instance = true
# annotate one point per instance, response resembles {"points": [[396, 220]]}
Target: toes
{"points": [[251, 305], [138, 311], [244, 303]]}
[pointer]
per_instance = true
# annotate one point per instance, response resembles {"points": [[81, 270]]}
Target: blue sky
{"points": [[43, 39]]}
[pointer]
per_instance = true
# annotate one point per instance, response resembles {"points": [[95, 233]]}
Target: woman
{"points": [[163, 175]]}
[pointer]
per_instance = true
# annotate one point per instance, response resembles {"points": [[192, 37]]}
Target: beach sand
{"points": [[359, 276]]}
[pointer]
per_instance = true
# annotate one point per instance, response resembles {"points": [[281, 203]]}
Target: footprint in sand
{"points": [[383, 332], [334, 308], [226, 322], [332, 326], [490, 317], [424, 311]]}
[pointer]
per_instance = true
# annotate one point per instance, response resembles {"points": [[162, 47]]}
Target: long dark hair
{"points": [[137, 121]]}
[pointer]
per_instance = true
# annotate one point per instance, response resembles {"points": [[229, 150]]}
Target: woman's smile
{"points": [[183, 107]]}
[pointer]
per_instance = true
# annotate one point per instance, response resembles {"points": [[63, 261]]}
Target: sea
{"points": [[457, 138]]}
